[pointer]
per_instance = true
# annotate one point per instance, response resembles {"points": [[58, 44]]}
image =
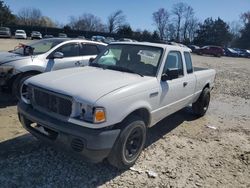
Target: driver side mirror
{"points": [[58, 55], [170, 74], [91, 60]]}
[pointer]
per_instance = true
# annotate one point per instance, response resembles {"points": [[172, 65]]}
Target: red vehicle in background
{"points": [[211, 50]]}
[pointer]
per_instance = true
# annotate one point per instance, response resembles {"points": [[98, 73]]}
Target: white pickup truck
{"points": [[104, 110]]}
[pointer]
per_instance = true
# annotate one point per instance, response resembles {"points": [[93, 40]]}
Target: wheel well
{"points": [[30, 72], [10, 82], [143, 113], [207, 86]]}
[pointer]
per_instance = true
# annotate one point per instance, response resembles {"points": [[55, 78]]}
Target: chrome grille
{"points": [[51, 102]]}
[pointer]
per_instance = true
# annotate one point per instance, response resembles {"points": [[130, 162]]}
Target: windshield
{"points": [[138, 59], [4, 29], [40, 47], [20, 32]]}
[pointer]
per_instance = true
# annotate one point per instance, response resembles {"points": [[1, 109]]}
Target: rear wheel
{"points": [[18, 84], [201, 105], [130, 143]]}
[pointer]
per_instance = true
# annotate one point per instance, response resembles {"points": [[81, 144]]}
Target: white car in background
{"points": [[44, 55], [20, 34]]}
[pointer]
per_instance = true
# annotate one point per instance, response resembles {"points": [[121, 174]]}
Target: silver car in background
{"points": [[36, 35], [43, 56], [5, 32]]}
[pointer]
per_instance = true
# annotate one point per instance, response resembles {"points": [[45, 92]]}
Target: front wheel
{"points": [[129, 144], [201, 105]]}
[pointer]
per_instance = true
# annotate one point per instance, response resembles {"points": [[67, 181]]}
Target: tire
{"points": [[18, 82], [129, 144], [201, 105]]}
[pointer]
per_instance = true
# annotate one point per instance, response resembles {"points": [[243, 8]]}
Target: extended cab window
{"points": [[174, 61], [89, 49], [188, 61], [69, 50]]}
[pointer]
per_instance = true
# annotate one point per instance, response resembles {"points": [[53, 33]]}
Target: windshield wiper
{"points": [[123, 69]]}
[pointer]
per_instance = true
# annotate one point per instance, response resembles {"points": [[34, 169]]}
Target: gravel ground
{"points": [[181, 150]]}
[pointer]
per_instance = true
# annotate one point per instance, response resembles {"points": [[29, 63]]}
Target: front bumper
{"points": [[93, 144]]}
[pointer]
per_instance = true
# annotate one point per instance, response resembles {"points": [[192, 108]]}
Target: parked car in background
{"points": [[247, 53], [106, 109], [242, 52], [43, 56], [48, 36], [36, 35], [230, 52], [62, 35], [20, 34], [194, 48], [81, 37], [109, 40], [98, 38], [5, 32], [126, 40], [211, 50]]}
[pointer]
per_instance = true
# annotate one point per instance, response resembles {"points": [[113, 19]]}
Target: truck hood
{"points": [[7, 57], [85, 84]]}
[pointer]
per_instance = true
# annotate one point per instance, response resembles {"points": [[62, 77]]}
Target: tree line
{"points": [[179, 24]]}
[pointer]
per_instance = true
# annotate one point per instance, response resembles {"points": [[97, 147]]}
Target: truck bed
{"points": [[199, 69]]}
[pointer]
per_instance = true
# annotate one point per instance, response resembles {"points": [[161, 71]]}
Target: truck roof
{"points": [[164, 46]]}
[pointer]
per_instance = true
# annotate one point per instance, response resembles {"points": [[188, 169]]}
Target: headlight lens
{"points": [[92, 114]]}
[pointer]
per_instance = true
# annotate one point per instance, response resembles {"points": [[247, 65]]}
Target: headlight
{"points": [[5, 69], [92, 114]]}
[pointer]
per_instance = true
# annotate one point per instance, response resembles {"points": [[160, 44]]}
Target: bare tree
{"points": [[245, 17], [178, 11], [47, 22], [29, 16], [188, 18], [115, 21], [87, 22], [193, 25], [160, 19], [234, 28]]}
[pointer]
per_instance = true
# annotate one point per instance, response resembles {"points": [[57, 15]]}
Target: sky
{"points": [[138, 12]]}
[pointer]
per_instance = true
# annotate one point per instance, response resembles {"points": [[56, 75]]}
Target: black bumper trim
{"points": [[97, 142]]}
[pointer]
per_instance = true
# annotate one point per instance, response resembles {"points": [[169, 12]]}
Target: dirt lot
{"points": [[182, 150]]}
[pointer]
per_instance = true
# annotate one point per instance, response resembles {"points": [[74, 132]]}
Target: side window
{"points": [[69, 50], [188, 61], [89, 49], [174, 60]]}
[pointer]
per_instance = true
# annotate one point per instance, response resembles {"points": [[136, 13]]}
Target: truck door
{"points": [[71, 57], [172, 95]]}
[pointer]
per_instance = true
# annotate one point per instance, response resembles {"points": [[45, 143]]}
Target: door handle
{"points": [[185, 84], [77, 63]]}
